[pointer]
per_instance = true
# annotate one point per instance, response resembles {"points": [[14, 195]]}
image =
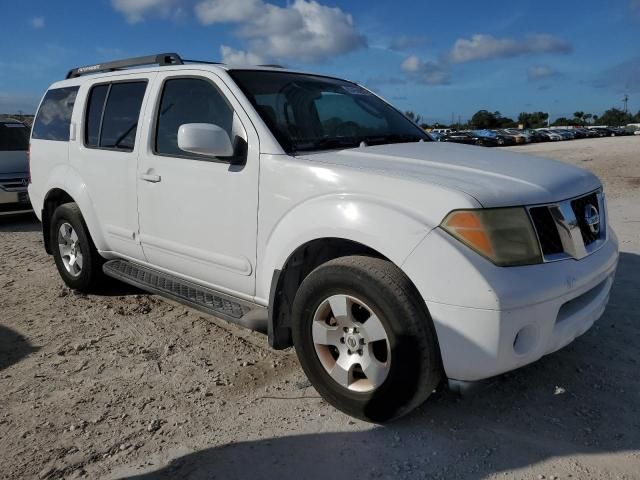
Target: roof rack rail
{"points": [[272, 65], [161, 59]]}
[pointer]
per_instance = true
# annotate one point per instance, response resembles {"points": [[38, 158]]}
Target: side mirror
{"points": [[204, 139]]}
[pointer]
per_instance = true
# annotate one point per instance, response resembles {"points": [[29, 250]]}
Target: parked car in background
{"points": [[619, 132], [585, 132], [551, 135], [14, 167], [466, 138], [489, 138], [577, 133], [602, 131], [517, 138], [536, 136], [435, 136], [523, 133], [442, 131], [565, 134]]}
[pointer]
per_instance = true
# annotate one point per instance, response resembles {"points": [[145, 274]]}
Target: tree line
{"points": [[484, 119]]}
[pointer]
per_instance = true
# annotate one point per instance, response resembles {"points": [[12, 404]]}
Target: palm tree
{"points": [[579, 116], [587, 117]]}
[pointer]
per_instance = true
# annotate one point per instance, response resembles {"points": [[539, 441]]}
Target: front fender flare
{"points": [[390, 229]]}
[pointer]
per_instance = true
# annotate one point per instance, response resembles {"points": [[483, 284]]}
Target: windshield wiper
{"points": [[327, 143], [392, 138]]}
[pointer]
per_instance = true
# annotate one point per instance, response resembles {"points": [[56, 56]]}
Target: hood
{"points": [[495, 178], [13, 162]]}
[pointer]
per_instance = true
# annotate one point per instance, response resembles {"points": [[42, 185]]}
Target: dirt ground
{"points": [[127, 385]]}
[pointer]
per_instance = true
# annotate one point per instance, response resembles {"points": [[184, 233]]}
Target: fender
{"points": [[77, 189], [392, 230]]}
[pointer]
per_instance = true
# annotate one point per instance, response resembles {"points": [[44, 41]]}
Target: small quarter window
{"points": [[189, 100], [94, 114], [54, 116]]}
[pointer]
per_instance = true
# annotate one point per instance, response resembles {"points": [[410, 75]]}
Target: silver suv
{"points": [[14, 167]]}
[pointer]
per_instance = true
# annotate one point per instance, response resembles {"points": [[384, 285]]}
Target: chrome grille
{"points": [[579, 206], [572, 228], [13, 184]]}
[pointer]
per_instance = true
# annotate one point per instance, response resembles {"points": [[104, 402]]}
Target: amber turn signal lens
{"points": [[503, 235]]}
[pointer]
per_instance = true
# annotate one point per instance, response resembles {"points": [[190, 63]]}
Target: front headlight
{"points": [[503, 235]]}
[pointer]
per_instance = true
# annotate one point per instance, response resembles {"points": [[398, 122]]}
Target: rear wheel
{"points": [[364, 338], [76, 257]]}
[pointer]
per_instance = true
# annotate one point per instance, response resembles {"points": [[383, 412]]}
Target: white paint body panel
{"points": [[231, 227]]}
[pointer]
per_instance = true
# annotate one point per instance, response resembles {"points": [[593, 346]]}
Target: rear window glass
{"points": [[54, 116], [14, 137], [121, 113]]}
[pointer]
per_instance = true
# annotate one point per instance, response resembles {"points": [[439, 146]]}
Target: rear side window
{"points": [[13, 137], [112, 115], [54, 116]]}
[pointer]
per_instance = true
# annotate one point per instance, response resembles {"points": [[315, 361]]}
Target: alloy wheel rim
{"points": [[351, 343], [70, 251]]}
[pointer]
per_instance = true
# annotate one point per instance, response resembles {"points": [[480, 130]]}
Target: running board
{"points": [[240, 312]]}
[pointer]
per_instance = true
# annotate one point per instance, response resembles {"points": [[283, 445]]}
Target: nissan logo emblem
{"points": [[592, 219]]}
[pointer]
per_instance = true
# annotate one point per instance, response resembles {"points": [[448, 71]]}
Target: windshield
{"points": [[309, 113], [13, 136]]}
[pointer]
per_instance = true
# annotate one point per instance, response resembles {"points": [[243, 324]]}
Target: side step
{"points": [[240, 312]]}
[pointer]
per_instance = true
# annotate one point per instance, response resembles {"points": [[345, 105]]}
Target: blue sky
{"points": [[439, 59]]}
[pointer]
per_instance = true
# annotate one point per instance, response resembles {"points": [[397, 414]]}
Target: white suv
{"points": [[307, 207]]}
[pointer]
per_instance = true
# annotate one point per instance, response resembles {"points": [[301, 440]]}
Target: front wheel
{"points": [[365, 339]]}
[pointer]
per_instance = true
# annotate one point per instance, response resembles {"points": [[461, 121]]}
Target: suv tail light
{"points": [[29, 162]]}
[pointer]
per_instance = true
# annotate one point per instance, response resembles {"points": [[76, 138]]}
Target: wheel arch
{"points": [[59, 195], [286, 280]]}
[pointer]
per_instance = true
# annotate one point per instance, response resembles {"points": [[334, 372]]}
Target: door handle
{"points": [[150, 177]]}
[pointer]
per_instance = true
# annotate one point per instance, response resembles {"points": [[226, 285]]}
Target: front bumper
{"points": [[490, 319], [14, 202]]}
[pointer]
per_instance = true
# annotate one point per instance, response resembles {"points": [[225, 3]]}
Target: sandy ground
{"points": [[127, 385]]}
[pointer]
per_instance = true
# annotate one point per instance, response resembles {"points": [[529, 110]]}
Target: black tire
{"points": [[415, 366], [90, 275]]}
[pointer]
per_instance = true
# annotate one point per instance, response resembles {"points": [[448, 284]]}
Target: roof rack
{"points": [[272, 65], [161, 59]]}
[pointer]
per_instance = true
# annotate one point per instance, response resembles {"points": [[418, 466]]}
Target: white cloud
{"points": [[426, 72], [232, 56], [37, 22], [136, 10], [485, 47], [407, 42], [305, 31], [541, 72], [221, 11]]}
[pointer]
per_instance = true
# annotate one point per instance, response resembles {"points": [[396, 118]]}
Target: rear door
{"points": [[198, 215], [105, 154]]}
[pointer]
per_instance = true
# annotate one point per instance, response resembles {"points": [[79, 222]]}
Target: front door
{"points": [[198, 215]]}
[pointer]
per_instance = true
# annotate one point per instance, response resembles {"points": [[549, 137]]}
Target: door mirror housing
{"points": [[205, 139]]}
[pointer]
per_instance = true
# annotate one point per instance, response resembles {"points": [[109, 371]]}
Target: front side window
{"points": [[54, 115], [189, 100], [309, 113], [13, 137], [112, 115]]}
